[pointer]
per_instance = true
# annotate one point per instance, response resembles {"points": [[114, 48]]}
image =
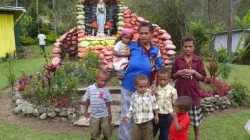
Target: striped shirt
{"points": [[165, 98], [142, 106], [98, 98]]}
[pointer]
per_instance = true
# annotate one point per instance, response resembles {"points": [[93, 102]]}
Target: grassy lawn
{"points": [[242, 73], [36, 50], [213, 128], [29, 65]]}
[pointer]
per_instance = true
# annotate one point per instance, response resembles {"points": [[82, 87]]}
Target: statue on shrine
{"points": [[101, 17]]}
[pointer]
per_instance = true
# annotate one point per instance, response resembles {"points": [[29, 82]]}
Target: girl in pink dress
{"points": [[122, 52]]}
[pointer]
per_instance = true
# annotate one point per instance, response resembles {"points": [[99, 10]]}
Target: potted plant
{"points": [[108, 26], [94, 26]]}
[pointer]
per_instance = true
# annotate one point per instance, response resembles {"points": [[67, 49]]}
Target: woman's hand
{"points": [[190, 71], [180, 73]]}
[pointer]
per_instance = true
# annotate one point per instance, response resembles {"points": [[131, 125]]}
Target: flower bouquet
{"points": [[108, 26], [94, 26]]}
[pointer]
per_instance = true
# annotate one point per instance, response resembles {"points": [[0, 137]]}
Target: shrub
{"points": [[221, 54], [215, 87], [213, 67], [240, 93], [225, 70], [51, 38], [11, 74], [26, 41], [85, 70]]}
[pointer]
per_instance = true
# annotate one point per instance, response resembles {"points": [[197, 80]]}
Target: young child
{"points": [[121, 51], [99, 98], [165, 98], [181, 119], [143, 109]]}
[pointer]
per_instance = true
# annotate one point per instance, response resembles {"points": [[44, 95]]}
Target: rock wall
{"points": [[215, 104]]}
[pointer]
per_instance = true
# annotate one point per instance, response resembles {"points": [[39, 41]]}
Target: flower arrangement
{"points": [[108, 25], [94, 25]]}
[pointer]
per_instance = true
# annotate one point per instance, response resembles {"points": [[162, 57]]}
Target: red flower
{"points": [[94, 24], [108, 25]]}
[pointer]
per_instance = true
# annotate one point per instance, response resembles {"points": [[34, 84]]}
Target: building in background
{"points": [[221, 39], [10, 18]]}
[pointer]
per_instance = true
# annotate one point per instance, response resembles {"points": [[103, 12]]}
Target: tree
{"points": [[230, 28], [54, 15]]}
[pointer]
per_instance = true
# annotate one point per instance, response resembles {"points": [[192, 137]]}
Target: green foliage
{"points": [[26, 41], [197, 29], [240, 93], [91, 60], [25, 23], [51, 38], [221, 54], [11, 76], [242, 56], [225, 71], [48, 86], [85, 70], [213, 67], [64, 86]]}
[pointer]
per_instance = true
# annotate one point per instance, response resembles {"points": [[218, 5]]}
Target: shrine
{"points": [[99, 23]]}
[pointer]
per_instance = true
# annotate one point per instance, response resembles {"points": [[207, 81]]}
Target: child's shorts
{"points": [[98, 125]]}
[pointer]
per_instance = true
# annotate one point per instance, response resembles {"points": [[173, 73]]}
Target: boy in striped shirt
{"points": [[143, 109], [99, 99]]}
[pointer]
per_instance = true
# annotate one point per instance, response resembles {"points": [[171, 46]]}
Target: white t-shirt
{"points": [[121, 47], [41, 38]]}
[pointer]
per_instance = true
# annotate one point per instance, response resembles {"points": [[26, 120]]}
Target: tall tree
{"points": [[230, 28], [54, 15], [37, 21]]}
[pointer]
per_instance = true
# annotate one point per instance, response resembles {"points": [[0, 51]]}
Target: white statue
{"points": [[101, 17]]}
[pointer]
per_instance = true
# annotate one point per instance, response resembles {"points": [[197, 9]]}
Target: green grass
{"points": [[213, 128], [224, 128], [242, 73], [30, 65], [36, 50]]}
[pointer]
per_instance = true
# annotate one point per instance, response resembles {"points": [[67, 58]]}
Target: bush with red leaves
{"points": [[219, 88]]}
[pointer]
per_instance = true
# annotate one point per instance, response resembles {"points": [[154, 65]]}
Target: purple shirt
{"points": [[189, 87]]}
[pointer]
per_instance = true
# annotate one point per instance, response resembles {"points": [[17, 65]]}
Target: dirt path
{"points": [[32, 122], [51, 126]]}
